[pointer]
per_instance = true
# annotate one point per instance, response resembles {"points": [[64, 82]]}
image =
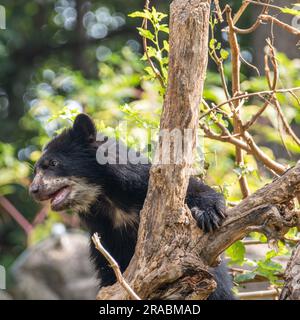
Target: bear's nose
{"points": [[34, 188]]}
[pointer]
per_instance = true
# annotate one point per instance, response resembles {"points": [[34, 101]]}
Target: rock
{"points": [[56, 268], [4, 295]]}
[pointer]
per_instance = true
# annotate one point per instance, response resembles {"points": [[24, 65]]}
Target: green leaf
{"points": [[269, 265], [218, 47], [212, 43], [244, 276], [146, 34], [292, 233], [263, 239], [166, 45], [163, 28], [236, 253], [155, 15], [165, 73], [161, 16], [271, 254], [150, 72], [165, 60], [140, 14], [151, 53], [224, 54], [291, 11]]}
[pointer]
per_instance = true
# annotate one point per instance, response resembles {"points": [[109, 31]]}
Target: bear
{"points": [[109, 197]]}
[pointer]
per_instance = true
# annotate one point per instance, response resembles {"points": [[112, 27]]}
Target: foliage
{"points": [[157, 51]]}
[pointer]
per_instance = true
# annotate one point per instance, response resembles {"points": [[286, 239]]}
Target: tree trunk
{"points": [[291, 289], [164, 266]]}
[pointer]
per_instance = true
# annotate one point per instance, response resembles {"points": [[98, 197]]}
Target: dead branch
{"points": [[250, 95], [256, 24], [263, 157], [237, 124], [114, 265], [258, 93], [272, 86], [254, 295], [218, 10], [240, 12], [285, 123], [281, 24], [228, 138], [262, 212]]}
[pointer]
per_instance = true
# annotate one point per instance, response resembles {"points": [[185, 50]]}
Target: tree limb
{"points": [[264, 211]]}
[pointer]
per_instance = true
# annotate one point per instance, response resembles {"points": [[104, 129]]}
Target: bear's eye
{"points": [[53, 163]]}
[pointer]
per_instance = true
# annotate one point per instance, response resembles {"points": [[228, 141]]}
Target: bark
{"points": [[172, 254], [291, 289], [161, 258]]}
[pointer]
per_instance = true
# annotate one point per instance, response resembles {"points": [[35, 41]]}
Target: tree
{"points": [[172, 254]]}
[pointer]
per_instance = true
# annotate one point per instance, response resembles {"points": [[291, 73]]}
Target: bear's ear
{"points": [[84, 128]]}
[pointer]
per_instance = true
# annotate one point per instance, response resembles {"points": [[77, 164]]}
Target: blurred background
{"points": [[58, 58]]}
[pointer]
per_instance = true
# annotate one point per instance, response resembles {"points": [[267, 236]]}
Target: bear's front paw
{"points": [[210, 218]]}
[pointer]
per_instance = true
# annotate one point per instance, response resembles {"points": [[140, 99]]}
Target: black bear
{"points": [[108, 197]]}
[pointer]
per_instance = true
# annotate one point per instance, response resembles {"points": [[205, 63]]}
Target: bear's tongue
{"points": [[60, 196]]}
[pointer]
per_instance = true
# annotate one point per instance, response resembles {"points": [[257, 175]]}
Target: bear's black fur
{"points": [[109, 197]]}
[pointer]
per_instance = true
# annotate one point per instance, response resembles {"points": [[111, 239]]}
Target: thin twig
{"points": [[223, 129], [145, 47], [258, 294], [230, 139], [249, 146], [237, 123], [281, 24], [219, 63], [285, 123], [272, 85], [249, 123], [113, 263], [263, 157], [264, 4], [256, 24], [249, 95], [240, 12], [295, 97], [250, 64], [218, 10], [275, 102], [251, 242]]}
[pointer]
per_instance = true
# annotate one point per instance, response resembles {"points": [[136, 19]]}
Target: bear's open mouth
{"points": [[58, 198]]}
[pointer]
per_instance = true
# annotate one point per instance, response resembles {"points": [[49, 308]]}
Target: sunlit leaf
{"points": [[236, 253]]}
